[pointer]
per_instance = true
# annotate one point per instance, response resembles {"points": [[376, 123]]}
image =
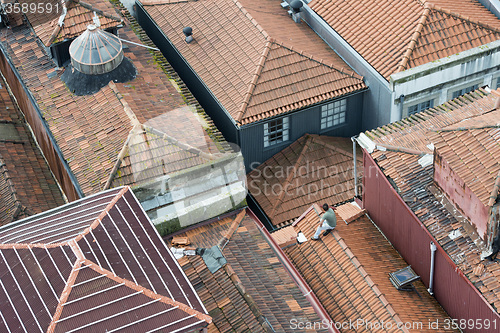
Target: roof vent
{"points": [[188, 32], [96, 51], [296, 6]]}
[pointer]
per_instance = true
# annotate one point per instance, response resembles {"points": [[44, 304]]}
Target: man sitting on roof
{"points": [[328, 222]]}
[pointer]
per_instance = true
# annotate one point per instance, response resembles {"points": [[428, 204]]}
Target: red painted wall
{"points": [[41, 135], [411, 238], [461, 196]]}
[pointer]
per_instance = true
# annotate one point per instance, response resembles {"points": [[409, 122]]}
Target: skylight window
{"points": [[403, 278]]}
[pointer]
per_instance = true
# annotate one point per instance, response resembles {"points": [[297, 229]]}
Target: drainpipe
{"points": [[401, 102], [299, 280], [353, 139], [431, 278]]}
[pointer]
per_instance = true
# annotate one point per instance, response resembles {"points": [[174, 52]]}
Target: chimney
{"points": [[296, 6], [188, 32]]}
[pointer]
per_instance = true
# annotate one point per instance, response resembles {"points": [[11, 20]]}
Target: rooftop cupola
{"points": [[96, 51]]}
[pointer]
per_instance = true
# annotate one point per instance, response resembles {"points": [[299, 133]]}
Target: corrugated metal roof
{"points": [[453, 128], [96, 262]]}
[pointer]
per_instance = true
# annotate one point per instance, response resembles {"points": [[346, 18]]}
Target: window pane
{"points": [[275, 131]]}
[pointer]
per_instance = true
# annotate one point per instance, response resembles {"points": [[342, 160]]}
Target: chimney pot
{"points": [[188, 32], [296, 5]]}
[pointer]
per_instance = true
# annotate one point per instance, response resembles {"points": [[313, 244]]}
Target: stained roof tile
{"points": [[92, 130], [255, 76], [27, 186], [253, 278], [349, 283], [314, 168]]}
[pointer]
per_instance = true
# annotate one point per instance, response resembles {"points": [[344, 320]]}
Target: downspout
{"points": [[401, 102], [299, 280], [431, 278], [353, 139]]}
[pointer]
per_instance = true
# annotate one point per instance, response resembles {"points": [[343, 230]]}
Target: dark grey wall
{"points": [[301, 122], [377, 101], [195, 84]]}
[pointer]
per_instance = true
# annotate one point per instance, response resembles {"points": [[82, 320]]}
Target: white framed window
{"points": [[420, 107], [333, 114], [276, 131], [498, 83], [463, 91]]}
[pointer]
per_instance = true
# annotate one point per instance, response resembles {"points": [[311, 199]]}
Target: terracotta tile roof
{"points": [[463, 130], [348, 271], [410, 132], [27, 186], [250, 70], [252, 268], [395, 36], [79, 15], [91, 130], [350, 212], [86, 280], [312, 169], [150, 153], [415, 185]]}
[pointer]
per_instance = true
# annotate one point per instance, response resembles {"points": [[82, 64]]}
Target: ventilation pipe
{"points": [[188, 32], [296, 6], [431, 278], [353, 139]]}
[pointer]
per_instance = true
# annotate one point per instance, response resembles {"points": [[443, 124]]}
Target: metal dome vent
{"points": [[96, 51]]}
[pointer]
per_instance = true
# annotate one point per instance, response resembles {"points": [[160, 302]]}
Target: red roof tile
{"points": [[91, 130], [312, 169], [253, 285], [246, 64], [470, 118], [474, 154], [27, 186], [79, 15], [395, 36], [348, 271], [80, 250]]}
